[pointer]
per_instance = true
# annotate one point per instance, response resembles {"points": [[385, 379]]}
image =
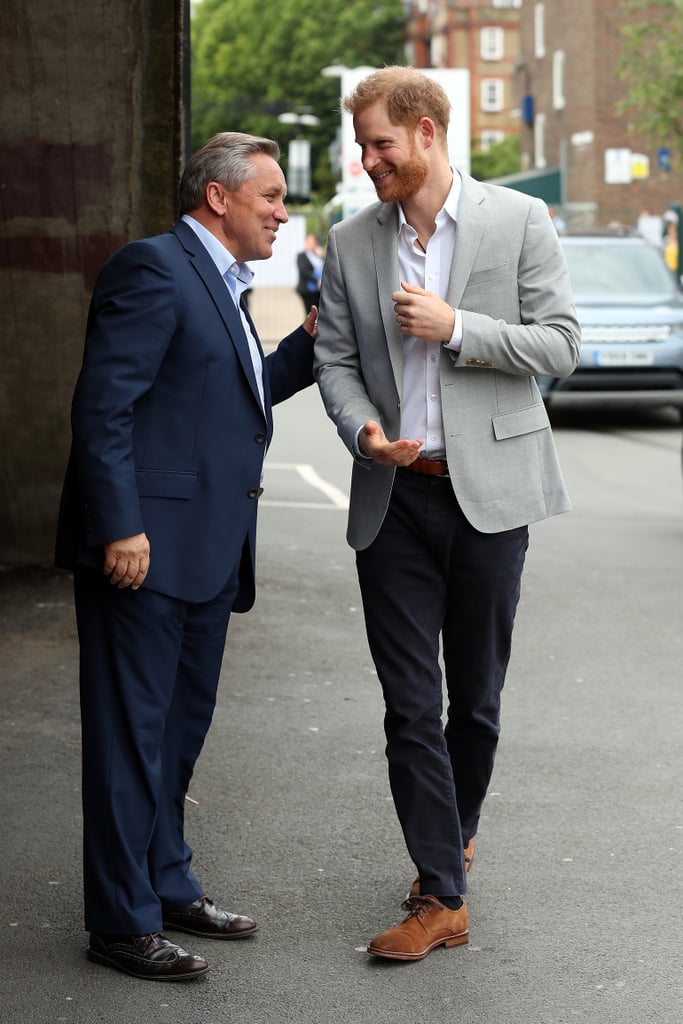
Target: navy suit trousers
{"points": [[149, 673], [433, 586]]}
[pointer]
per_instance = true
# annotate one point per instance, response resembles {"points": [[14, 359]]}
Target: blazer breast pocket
{"points": [[493, 291], [165, 483], [489, 274]]}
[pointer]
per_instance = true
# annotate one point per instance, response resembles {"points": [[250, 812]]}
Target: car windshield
{"points": [[618, 272]]}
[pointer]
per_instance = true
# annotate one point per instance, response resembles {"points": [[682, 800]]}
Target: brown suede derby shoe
{"points": [[203, 918], [468, 857], [146, 956], [428, 924]]}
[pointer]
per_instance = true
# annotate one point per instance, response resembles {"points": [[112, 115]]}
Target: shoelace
{"points": [[417, 906]]}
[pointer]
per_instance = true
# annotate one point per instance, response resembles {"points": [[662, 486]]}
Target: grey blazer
{"points": [[510, 280]]}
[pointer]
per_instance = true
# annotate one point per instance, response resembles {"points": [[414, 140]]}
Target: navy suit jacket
{"points": [[169, 434]]}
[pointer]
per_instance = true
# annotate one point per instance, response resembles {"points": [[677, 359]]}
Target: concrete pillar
{"points": [[92, 136]]}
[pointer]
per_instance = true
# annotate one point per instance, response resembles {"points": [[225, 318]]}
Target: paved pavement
{"points": [[575, 897], [276, 312]]}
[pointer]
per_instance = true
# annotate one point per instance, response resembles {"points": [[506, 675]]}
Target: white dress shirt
{"points": [[237, 277], [421, 415]]}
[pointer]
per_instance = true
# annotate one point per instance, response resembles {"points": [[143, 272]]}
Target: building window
{"points": [[492, 94], [491, 43], [559, 101], [539, 30], [507, 3], [437, 50], [539, 142], [490, 137]]}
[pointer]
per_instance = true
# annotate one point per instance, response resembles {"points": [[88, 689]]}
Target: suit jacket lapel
{"points": [[385, 251], [266, 378], [471, 224], [218, 289]]}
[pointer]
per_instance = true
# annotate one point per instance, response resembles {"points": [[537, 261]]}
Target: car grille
{"points": [[625, 335]]}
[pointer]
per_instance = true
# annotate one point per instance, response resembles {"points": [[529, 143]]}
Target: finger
{"points": [[139, 579], [413, 289], [129, 576], [124, 571], [118, 572]]}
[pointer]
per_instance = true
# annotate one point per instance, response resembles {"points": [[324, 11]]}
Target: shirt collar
{"points": [[221, 256], [449, 208]]}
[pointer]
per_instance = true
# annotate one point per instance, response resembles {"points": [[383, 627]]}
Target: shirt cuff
{"points": [[455, 342], [356, 448]]}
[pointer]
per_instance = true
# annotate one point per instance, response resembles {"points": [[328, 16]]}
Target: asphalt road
{"points": [[575, 899]]}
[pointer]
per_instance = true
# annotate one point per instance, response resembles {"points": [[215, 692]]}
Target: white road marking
{"points": [[337, 498]]}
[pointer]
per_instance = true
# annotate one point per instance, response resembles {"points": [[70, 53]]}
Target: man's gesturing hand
{"points": [[126, 561], [374, 444]]}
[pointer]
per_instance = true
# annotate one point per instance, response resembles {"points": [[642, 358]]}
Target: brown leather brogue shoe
{"points": [[428, 924], [203, 918], [146, 956], [468, 857]]}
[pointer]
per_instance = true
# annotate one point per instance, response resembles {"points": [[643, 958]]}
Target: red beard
{"points": [[404, 182]]}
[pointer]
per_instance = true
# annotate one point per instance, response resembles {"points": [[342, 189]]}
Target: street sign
{"points": [[664, 159]]}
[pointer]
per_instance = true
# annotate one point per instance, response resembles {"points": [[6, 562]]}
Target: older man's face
{"points": [[255, 211]]}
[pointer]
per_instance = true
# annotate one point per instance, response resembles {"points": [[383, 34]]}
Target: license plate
{"points": [[623, 358]]}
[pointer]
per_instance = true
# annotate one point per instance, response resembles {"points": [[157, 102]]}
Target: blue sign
{"points": [[664, 159]]}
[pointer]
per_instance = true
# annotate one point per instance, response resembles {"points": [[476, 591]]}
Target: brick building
{"points": [[550, 71], [569, 70], [482, 36]]}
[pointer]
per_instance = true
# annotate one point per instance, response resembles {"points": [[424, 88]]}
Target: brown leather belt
{"points": [[428, 467]]}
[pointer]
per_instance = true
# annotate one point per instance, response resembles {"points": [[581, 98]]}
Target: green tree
{"points": [[255, 59], [651, 66], [498, 160]]}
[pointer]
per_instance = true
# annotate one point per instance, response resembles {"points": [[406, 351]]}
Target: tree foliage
{"points": [[498, 160], [255, 59], [651, 65]]}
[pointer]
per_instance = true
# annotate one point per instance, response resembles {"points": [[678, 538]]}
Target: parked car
{"points": [[630, 307]]}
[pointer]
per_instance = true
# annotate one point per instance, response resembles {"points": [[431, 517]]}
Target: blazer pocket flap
{"points": [[164, 483], [520, 421]]}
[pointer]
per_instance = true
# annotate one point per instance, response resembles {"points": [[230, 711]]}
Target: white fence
{"points": [[280, 270]]}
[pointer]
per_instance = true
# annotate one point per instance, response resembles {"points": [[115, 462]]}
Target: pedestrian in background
{"points": [[171, 419], [439, 306], [309, 264]]}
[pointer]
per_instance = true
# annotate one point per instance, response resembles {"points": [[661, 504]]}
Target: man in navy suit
{"points": [[171, 421]]}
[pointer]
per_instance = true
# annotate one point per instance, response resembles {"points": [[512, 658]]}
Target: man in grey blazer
{"points": [[439, 306]]}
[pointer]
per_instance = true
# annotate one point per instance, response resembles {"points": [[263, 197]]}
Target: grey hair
{"points": [[225, 159]]}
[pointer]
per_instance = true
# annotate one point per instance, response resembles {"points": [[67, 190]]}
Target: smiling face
{"points": [[253, 213], [391, 154]]}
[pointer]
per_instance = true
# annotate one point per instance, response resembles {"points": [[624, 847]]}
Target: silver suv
{"points": [[630, 307]]}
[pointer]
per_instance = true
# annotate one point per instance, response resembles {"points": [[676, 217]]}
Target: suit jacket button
{"points": [[260, 438], [254, 492]]}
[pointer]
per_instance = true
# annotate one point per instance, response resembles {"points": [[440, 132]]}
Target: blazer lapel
{"points": [[385, 251], [218, 289], [266, 377], [471, 224]]}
